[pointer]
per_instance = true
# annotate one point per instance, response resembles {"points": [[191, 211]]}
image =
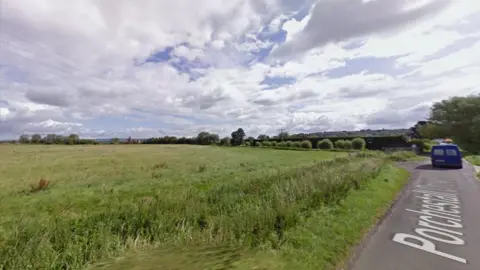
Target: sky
{"points": [[150, 68]]}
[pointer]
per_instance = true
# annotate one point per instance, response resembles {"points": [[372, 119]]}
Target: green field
{"points": [[186, 207]]}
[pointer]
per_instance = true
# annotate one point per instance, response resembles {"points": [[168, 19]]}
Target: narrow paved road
{"points": [[435, 224]]}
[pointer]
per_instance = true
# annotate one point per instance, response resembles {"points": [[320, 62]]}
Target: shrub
{"points": [[274, 144], [288, 144], [266, 144], [340, 144], [282, 144], [225, 142], [348, 145], [358, 144], [306, 144], [325, 144], [247, 143], [258, 144], [296, 145], [419, 142]]}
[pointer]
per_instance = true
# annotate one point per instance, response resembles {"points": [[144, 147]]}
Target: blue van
{"points": [[446, 155]]}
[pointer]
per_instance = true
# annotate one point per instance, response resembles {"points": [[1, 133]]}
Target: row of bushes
{"points": [[325, 144], [371, 143]]}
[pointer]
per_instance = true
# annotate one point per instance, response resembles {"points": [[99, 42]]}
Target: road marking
{"points": [[443, 205]]}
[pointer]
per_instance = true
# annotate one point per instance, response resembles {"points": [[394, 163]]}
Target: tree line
{"points": [[54, 139], [457, 118]]}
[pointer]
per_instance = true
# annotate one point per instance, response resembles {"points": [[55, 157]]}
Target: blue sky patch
{"points": [[160, 56], [456, 46], [371, 65], [273, 82]]}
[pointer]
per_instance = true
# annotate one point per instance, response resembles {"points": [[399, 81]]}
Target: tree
{"points": [[60, 139], [205, 138], [358, 144], [263, 137], [50, 138], [74, 137], [413, 131], [115, 141], [225, 141], [36, 138], [430, 131], [340, 144], [71, 141], [238, 137], [306, 144], [283, 135], [459, 118], [347, 144], [24, 139], [325, 144]]}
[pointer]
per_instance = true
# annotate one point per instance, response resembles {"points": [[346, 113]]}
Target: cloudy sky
{"points": [[104, 68]]}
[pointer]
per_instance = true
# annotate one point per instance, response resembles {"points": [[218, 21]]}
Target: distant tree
{"points": [[340, 144], [263, 137], [24, 139], [283, 135], [347, 144], [238, 137], [306, 144], [129, 140], [250, 138], [358, 144], [225, 141], [115, 141], [50, 138], [459, 118], [325, 144], [430, 131], [74, 137], [36, 138], [60, 139], [413, 131], [205, 138]]}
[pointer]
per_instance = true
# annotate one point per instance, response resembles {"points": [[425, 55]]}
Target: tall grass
{"points": [[252, 211]]}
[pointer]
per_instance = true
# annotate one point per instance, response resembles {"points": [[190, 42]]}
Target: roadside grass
{"points": [[322, 240], [187, 207], [474, 159]]}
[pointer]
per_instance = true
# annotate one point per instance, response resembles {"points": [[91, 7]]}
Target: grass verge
{"points": [[318, 241], [474, 159], [330, 234]]}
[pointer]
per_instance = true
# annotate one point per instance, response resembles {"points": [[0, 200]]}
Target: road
{"points": [[434, 225]]}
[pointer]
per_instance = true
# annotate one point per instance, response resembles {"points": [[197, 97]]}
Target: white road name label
{"points": [[439, 221]]}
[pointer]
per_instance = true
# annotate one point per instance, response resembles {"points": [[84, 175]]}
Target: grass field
{"points": [[189, 207]]}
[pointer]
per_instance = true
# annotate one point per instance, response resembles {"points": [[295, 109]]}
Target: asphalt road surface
{"points": [[435, 224]]}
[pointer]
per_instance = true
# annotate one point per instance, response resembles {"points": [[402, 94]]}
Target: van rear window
{"points": [[438, 152], [451, 152]]}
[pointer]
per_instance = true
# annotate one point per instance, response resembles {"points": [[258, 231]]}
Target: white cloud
{"points": [[73, 67]]}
